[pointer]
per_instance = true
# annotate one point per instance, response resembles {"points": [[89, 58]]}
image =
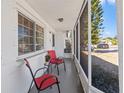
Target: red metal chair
{"points": [[44, 81], [55, 60]]}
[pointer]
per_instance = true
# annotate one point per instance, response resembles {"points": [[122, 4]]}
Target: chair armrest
{"points": [[39, 70]]}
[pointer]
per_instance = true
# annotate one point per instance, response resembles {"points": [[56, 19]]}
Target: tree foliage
{"points": [[84, 28], [113, 40], [96, 21]]}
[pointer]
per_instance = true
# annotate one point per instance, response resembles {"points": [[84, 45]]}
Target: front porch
{"points": [[30, 28], [69, 80]]}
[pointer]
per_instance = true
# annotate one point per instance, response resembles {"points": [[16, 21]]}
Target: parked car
{"points": [[103, 46]]}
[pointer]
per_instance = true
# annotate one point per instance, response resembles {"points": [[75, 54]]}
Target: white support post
{"points": [[89, 44], [79, 39], [120, 30], [72, 38], [75, 41]]}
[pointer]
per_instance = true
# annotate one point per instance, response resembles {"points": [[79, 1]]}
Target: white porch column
{"points": [[120, 39]]}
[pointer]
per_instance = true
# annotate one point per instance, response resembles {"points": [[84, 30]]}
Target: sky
{"points": [[109, 16]]}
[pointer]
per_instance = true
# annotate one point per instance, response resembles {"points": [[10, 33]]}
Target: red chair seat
{"points": [[48, 82], [56, 61]]}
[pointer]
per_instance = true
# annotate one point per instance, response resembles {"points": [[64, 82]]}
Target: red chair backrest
{"points": [[28, 65], [52, 53], [26, 62]]}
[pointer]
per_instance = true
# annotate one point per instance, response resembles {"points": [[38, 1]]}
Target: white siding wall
{"points": [[16, 77]]}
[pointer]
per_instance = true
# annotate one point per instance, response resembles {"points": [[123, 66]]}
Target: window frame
{"points": [[53, 40], [34, 36], [41, 37]]}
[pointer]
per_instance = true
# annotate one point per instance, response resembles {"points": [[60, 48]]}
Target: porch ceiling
{"points": [[51, 10]]}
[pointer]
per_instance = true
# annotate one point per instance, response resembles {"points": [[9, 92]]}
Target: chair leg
{"points": [[30, 86], [48, 69], [38, 91], [58, 87], [64, 66], [51, 68], [51, 87], [57, 68]]}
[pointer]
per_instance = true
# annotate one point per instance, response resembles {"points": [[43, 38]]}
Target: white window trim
{"points": [[24, 10], [31, 54], [120, 29], [42, 47], [89, 45], [54, 39], [34, 38], [79, 40], [23, 7]]}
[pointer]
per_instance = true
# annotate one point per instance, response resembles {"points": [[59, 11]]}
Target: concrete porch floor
{"points": [[69, 80]]}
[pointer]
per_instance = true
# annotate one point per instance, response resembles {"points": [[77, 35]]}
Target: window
{"points": [[68, 42], [53, 40], [77, 41], [105, 67], [84, 40], [27, 36], [67, 46], [74, 41], [39, 37]]}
